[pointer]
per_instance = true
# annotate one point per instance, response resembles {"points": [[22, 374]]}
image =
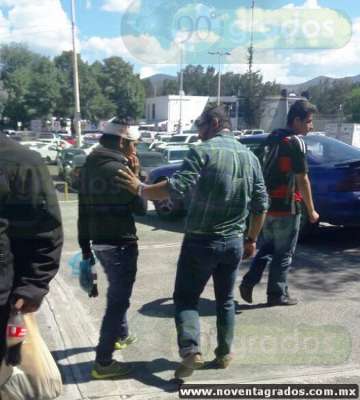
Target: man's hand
{"points": [[134, 164], [26, 306], [128, 180], [314, 217], [249, 249]]}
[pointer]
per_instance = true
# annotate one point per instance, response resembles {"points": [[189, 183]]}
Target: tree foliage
{"points": [[36, 87]]}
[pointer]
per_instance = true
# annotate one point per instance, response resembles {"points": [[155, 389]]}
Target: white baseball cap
{"points": [[128, 132]]}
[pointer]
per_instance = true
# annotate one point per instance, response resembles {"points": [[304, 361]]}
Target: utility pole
{"points": [[220, 54], [181, 91], [251, 48], [77, 114]]}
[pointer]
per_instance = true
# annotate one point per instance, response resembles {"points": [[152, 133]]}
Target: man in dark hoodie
{"points": [[106, 221], [286, 177], [31, 235]]}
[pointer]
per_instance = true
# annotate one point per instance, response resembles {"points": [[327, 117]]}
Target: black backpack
{"points": [[269, 154]]}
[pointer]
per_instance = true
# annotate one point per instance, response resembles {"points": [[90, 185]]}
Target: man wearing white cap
{"points": [[106, 222]]}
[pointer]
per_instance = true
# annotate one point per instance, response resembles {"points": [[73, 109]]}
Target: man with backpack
{"points": [[286, 177]]}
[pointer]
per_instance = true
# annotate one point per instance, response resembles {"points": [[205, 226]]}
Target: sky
{"points": [[294, 40]]}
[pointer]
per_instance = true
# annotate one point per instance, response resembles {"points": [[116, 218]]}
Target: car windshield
{"points": [[178, 139], [327, 150], [70, 154], [150, 159], [177, 155]]}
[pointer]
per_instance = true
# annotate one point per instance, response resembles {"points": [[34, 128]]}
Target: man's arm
{"points": [[303, 183], [258, 207], [83, 217], [35, 233], [180, 183]]}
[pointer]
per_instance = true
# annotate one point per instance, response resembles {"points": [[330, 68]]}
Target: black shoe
{"points": [[281, 301], [246, 293]]}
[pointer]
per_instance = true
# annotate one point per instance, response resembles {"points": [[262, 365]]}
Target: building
{"points": [[275, 110], [164, 111]]}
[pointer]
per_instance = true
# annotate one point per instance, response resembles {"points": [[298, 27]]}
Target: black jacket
{"points": [[105, 209], [31, 235]]}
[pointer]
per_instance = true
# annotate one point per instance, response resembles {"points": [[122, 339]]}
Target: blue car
{"points": [[334, 170]]}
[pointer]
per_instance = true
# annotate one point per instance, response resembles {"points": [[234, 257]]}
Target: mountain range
{"points": [[158, 79]]}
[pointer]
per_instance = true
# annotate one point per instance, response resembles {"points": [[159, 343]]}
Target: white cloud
{"points": [[42, 24], [122, 5], [143, 49], [307, 4]]}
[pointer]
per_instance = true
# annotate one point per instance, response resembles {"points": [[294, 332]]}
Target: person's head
{"points": [[300, 117], [120, 135], [212, 121]]}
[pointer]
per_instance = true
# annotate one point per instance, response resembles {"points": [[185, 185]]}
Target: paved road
{"points": [[316, 341]]}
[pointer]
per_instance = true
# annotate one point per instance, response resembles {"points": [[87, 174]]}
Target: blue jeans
{"points": [[277, 246], [120, 266], [201, 258]]}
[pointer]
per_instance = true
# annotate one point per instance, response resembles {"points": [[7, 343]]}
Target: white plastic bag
{"points": [[37, 377]]}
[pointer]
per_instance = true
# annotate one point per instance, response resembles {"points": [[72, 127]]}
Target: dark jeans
{"points": [[200, 259], [120, 265], [277, 246]]}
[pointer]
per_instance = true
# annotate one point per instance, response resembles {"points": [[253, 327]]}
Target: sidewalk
{"points": [[71, 336]]}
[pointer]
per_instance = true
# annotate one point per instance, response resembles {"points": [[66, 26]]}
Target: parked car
{"points": [[334, 170], [143, 147], [148, 136], [65, 160], [178, 140], [89, 147], [150, 160], [72, 176], [49, 151], [175, 154], [253, 132]]}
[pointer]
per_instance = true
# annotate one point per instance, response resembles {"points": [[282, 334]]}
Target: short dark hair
{"points": [[300, 109], [110, 141], [217, 112]]}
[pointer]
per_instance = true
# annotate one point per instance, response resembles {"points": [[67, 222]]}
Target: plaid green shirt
{"points": [[222, 181]]}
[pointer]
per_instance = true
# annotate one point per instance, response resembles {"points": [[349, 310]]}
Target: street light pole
{"points": [[220, 54], [77, 115], [181, 91]]}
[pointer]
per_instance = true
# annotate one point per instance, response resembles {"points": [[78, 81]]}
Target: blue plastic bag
{"points": [[74, 263]]}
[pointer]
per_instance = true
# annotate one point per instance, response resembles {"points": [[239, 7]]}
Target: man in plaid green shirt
{"points": [[223, 181]]}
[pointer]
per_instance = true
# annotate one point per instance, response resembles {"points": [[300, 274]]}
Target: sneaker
{"points": [[282, 301], [122, 344], [246, 293], [188, 365], [222, 362], [114, 370]]}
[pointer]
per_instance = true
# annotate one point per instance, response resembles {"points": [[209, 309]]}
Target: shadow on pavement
{"points": [[152, 219], [164, 308], [142, 371]]}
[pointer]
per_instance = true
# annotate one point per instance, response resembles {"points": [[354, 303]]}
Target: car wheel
{"points": [[169, 209]]}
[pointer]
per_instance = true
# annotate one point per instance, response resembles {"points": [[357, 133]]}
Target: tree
{"points": [[352, 105], [169, 86], [94, 105], [44, 89], [16, 74], [122, 87]]}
